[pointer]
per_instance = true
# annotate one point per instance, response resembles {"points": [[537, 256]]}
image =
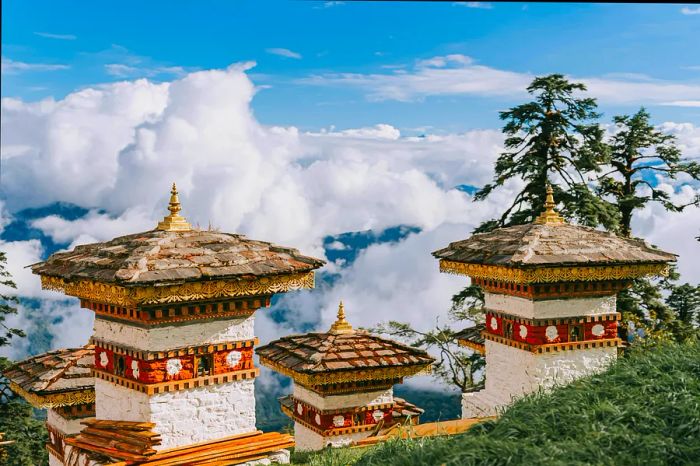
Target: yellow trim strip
{"points": [[53, 400], [552, 274], [190, 291]]}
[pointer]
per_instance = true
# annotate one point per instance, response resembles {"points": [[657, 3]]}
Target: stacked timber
{"points": [[232, 450], [123, 440]]}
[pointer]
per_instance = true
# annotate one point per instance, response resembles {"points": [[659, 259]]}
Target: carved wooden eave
{"points": [[553, 274], [189, 291], [54, 400]]}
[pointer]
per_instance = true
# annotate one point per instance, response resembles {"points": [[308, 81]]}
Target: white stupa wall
{"points": [[186, 416], [550, 308], [350, 400], [64, 425], [170, 337], [182, 417], [307, 440], [512, 373]]}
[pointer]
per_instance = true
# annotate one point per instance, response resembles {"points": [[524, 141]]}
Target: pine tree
{"points": [[639, 152], [554, 139], [17, 419]]}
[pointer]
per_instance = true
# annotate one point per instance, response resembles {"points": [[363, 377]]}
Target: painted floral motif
{"points": [[318, 419], [104, 359], [173, 366], [233, 358], [598, 330], [338, 421], [494, 323], [300, 409], [378, 415], [135, 368], [523, 331], [551, 332]]}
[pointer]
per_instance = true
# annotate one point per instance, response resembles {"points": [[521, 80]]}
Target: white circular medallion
{"points": [[378, 415], [523, 331], [494, 323], [233, 358], [173, 366], [104, 359], [135, 368], [318, 419], [598, 330], [338, 421], [551, 332], [300, 409]]}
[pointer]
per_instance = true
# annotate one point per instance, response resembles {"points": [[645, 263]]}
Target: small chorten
{"points": [[550, 302], [343, 383]]}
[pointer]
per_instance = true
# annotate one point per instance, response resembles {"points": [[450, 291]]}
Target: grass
{"points": [[644, 410]]}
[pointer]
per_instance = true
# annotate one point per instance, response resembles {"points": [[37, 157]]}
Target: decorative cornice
{"points": [[178, 352], [52, 400], [190, 291], [175, 385], [553, 274], [354, 375], [329, 432], [554, 347], [555, 321]]}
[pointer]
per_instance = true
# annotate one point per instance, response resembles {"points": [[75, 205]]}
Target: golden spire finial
{"points": [[174, 221], [549, 216], [341, 325]]}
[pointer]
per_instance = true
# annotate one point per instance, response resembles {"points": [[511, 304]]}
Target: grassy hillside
{"points": [[644, 410]]}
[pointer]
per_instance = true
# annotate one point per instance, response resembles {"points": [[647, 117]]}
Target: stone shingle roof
{"points": [[472, 334], [165, 257], [542, 245], [58, 372], [325, 353]]}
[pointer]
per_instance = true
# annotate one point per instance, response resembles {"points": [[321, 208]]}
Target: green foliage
{"points": [[554, 139], [327, 457], [17, 419], [644, 410], [29, 433], [638, 152], [7, 304]]}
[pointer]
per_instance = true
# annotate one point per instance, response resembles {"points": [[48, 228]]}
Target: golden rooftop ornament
{"points": [[341, 325], [549, 216], [174, 221]]}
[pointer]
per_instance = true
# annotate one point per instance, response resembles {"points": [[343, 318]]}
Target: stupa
{"points": [[62, 383], [343, 383], [550, 302], [173, 334]]}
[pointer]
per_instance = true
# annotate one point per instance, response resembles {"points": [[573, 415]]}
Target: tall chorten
{"points": [[174, 311], [550, 302]]}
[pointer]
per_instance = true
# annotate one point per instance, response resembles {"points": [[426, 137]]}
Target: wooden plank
{"points": [[120, 446], [106, 451], [144, 442], [118, 425]]}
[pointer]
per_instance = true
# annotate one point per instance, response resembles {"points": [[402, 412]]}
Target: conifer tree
{"points": [[639, 152], [554, 139]]}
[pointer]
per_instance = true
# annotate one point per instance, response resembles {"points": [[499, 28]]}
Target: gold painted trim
{"points": [[553, 274], [353, 375], [328, 432], [553, 347], [191, 291], [176, 385], [53, 400], [478, 347]]}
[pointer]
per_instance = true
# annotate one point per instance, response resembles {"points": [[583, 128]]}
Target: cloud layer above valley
{"points": [[115, 149]]}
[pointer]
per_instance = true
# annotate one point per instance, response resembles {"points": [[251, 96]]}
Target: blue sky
{"points": [[70, 45]]}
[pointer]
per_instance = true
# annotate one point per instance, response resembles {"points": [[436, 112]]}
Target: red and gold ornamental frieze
{"points": [[338, 421], [533, 333], [560, 290], [178, 312], [182, 364]]}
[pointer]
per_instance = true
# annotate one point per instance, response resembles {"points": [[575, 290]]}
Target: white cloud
{"points": [[121, 70], [284, 53], [50, 35], [14, 67], [683, 103], [478, 5], [460, 75], [690, 11]]}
